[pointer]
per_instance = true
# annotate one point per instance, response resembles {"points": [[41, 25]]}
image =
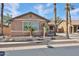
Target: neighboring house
{"points": [[74, 26], [20, 24], [52, 26]]}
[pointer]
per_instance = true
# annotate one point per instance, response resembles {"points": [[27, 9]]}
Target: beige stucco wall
{"points": [[16, 24], [63, 26]]}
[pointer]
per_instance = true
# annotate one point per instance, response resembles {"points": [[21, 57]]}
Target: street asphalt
{"points": [[58, 51]]}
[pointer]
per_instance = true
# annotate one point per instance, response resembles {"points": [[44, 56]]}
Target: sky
{"points": [[42, 9]]}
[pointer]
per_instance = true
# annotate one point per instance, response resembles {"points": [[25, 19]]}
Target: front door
{"points": [[75, 28], [51, 27]]}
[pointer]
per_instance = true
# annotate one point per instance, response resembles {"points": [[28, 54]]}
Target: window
{"points": [[30, 24]]}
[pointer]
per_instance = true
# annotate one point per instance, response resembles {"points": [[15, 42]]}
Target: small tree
{"points": [[30, 28], [45, 29], [6, 18]]}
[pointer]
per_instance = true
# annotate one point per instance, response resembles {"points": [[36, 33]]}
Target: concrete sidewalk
{"points": [[24, 45], [37, 47], [64, 40]]}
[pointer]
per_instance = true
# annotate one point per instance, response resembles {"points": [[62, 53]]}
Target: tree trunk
{"points": [[55, 26], [67, 34], [2, 8], [30, 32], [70, 20]]}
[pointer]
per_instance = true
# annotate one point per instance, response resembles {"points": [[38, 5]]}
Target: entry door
{"points": [[51, 27], [75, 28]]}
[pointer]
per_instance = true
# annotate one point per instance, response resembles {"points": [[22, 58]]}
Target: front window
{"points": [[34, 25]]}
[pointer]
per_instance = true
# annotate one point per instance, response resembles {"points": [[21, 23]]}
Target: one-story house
{"points": [[19, 25]]}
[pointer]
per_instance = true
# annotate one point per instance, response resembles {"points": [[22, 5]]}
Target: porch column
{"points": [[72, 29], [76, 28]]}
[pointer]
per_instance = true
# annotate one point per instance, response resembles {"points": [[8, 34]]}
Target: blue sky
{"points": [[42, 9]]}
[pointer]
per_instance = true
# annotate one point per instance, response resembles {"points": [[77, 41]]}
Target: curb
{"points": [[37, 47], [65, 40]]}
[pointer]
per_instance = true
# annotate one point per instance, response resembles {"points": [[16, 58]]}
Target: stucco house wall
{"points": [[74, 25], [62, 26], [17, 24]]}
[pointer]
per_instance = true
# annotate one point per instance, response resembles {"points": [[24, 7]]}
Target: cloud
{"points": [[39, 8], [48, 10], [75, 11], [12, 8], [48, 4], [42, 9]]}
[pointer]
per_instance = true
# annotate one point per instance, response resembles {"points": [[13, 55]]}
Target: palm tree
{"points": [[67, 9], [55, 28], [2, 8], [70, 21]]}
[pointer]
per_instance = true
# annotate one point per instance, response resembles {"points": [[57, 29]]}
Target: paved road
{"points": [[1, 38], [64, 51]]}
